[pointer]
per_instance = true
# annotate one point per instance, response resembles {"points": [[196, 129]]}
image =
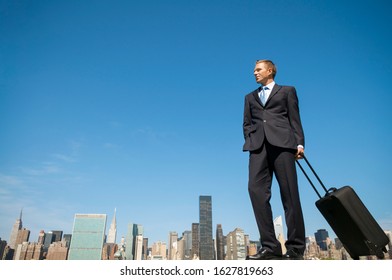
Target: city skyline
{"points": [[89, 241], [138, 106], [279, 228]]}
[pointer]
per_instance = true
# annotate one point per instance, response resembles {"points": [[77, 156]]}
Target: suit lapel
{"points": [[256, 96], [274, 91]]}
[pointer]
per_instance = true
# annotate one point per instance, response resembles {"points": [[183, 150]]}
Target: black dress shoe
{"points": [[265, 255], [292, 254]]}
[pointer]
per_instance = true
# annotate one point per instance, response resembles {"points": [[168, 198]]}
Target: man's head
{"points": [[265, 71]]}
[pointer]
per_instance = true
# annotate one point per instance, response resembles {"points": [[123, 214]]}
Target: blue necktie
{"points": [[263, 95]]}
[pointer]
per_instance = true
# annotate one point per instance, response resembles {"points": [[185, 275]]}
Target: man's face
{"points": [[262, 73]]}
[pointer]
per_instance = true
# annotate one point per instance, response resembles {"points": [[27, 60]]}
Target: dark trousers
{"points": [[263, 163]]}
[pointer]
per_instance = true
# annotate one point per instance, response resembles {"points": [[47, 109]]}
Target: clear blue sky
{"points": [[137, 105]]}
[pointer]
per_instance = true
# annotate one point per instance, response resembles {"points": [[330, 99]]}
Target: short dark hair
{"points": [[269, 64]]}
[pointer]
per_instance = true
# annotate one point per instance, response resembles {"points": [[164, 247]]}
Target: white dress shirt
{"points": [[267, 90]]}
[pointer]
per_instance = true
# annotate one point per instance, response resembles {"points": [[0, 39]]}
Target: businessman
{"points": [[274, 138]]}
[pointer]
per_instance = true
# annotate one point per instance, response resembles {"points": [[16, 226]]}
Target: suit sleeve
{"points": [[294, 117], [247, 119]]}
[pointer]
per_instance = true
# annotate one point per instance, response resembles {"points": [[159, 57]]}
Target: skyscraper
{"points": [[145, 248], [14, 233], [187, 237], [220, 247], [67, 238], [321, 239], [112, 230], [195, 241], [41, 237], [173, 236], [49, 239], [206, 247], [87, 237], [134, 242], [23, 236], [180, 248], [138, 247], [58, 235]]}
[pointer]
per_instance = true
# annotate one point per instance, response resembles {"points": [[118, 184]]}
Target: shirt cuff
{"points": [[300, 146]]}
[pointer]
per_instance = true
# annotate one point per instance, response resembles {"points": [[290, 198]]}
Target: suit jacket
{"points": [[278, 121]]}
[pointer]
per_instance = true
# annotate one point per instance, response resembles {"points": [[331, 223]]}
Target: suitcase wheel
{"points": [[380, 254]]}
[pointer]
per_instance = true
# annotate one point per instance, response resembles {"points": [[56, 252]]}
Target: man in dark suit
{"points": [[274, 138]]}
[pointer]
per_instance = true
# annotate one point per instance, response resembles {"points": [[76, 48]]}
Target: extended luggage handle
{"points": [[315, 174]]}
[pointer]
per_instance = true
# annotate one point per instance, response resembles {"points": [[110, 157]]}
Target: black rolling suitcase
{"points": [[349, 218]]}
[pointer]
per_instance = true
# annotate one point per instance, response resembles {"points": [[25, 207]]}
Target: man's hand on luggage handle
{"points": [[300, 153]]}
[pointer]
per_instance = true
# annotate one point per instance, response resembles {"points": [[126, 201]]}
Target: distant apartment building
{"points": [[57, 251], [109, 250], [28, 251], [180, 248], [220, 245], [158, 251], [195, 241], [138, 247], [67, 239], [41, 237], [252, 248], [173, 248], [235, 245], [145, 248], [187, 239], [312, 250], [3, 245]]}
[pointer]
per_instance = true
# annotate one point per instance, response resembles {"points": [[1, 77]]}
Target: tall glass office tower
{"points": [[88, 235], [206, 246], [321, 239], [187, 236], [134, 242]]}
